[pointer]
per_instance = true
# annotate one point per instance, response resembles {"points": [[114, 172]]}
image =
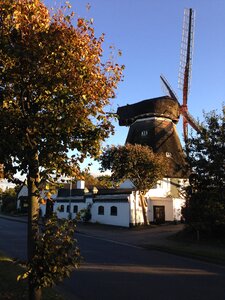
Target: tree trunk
{"points": [[33, 214], [143, 209]]}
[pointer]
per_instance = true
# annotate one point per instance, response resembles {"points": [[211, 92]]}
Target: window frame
{"points": [[75, 211], [61, 208], [113, 211], [101, 213]]}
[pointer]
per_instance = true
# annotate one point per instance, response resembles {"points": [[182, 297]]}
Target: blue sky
{"points": [[149, 34]]}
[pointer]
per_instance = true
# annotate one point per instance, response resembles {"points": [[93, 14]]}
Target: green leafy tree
{"points": [[205, 206], [8, 198], [105, 182], [100, 182], [137, 163], [53, 90], [56, 255]]}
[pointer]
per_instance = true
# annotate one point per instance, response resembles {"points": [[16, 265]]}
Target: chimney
{"points": [[80, 184]]}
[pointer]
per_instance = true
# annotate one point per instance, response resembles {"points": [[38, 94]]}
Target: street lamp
{"points": [[70, 195]]}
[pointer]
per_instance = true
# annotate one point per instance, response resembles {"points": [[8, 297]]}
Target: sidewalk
{"points": [[153, 235]]}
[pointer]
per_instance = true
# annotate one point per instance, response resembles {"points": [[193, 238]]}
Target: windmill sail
{"points": [[186, 54], [191, 120], [186, 62], [168, 88]]}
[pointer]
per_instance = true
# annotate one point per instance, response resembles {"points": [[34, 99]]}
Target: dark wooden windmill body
{"points": [[153, 122]]}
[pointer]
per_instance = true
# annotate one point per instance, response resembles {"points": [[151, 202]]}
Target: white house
{"points": [[120, 207]]}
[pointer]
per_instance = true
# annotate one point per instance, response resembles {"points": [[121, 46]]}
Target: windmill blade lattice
{"points": [[167, 88], [187, 46]]}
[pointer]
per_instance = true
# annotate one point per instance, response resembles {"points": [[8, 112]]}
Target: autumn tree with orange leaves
{"points": [[54, 87]]}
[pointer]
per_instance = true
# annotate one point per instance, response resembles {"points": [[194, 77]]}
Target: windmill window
{"points": [[101, 210], [144, 133], [113, 211], [75, 209], [168, 154]]}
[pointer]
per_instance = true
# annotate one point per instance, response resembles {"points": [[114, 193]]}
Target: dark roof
{"points": [[161, 106], [114, 191], [68, 192], [100, 200], [72, 200]]}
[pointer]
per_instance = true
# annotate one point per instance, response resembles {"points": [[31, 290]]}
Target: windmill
{"points": [[153, 121]]}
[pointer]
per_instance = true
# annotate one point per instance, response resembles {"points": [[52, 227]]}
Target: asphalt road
{"points": [[113, 271], [13, 238]]}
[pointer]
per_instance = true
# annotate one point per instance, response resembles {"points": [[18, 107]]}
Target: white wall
{"points": [[162, 189], [65, 214], [22, 193], [122, 218], [177, 206]]}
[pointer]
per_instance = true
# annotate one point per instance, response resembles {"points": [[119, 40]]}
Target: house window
{"points": [[75, 209], [67, 208], [61, 208], [101, 210], [113, 211]]}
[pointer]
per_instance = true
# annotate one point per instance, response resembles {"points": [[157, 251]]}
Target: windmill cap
{"points": [[164, 106]]}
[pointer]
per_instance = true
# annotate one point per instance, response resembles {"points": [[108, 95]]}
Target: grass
{"points": [[12, 289], [210, 250]]}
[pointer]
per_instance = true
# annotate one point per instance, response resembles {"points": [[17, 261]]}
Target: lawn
{"points": [[207, 249], [12, 289]]}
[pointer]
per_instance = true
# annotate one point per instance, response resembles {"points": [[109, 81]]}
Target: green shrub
{"points": [[56, 254]]}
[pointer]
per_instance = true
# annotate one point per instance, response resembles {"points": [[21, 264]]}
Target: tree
{"points": [[205, 206], [105, 182], [53, 90], [100, 182], [137, 163], [90, 180], [8, 198], [56, 253]]}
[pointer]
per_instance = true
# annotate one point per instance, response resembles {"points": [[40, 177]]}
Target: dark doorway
{"points": [[159, 214]]}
